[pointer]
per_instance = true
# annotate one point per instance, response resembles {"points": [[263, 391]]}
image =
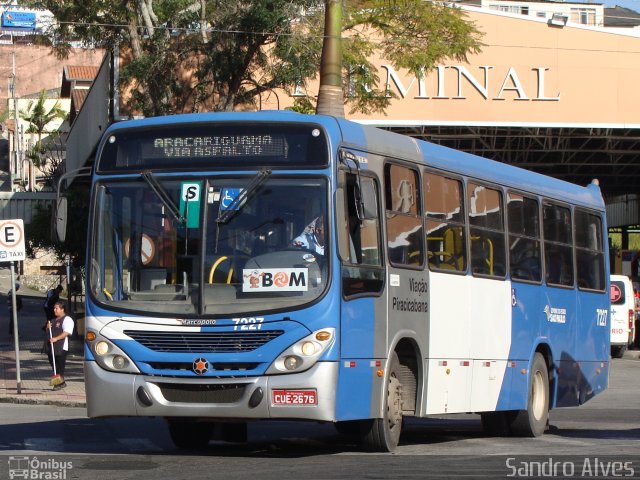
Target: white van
{"points": [[622, 315]]}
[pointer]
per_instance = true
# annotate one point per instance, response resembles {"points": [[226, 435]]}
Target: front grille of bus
{"points": [[203, 342], [215, 366], [176, 392]]}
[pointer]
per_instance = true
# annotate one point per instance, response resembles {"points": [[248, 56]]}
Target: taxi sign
{"points": [[12, 240]]}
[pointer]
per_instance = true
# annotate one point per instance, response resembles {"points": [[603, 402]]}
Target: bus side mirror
{"points": [[61, 202], [61, 219]]}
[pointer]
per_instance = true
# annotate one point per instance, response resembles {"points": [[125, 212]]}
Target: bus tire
{"points": [[617, 351], [496, 424], [188, 434], [532, 422], [348, 428], [383, 434]]}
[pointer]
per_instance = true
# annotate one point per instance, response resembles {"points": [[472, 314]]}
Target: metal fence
{"points": [[23, 204]]}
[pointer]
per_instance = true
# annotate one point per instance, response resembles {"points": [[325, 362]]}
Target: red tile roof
{"points": [[77, 98], [78, 72]]}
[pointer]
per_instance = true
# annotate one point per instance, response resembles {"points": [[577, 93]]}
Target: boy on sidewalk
{"points": [[59, 331]]}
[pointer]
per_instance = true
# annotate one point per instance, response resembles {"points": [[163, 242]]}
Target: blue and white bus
{"points": [[272, 265]]}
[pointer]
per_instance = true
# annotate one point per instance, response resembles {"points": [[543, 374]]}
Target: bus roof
{"points": [[443, 158]]}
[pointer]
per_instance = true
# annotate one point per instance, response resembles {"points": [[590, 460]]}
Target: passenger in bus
{"points": [[312, 237]]}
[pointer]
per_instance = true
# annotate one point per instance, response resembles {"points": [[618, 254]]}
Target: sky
{"points": [[632, 4]]}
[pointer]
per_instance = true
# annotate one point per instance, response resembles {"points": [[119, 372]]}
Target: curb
{"points": [[16, 399], [632, 355]]}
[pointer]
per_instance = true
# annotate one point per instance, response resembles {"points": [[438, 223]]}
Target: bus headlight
{"points": [[101, 348], [303, 354], [109, 356], [291, 362], [308, 349], [119, 362]]}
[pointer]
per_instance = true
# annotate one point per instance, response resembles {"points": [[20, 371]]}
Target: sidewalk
{"points": [[35, 371]]}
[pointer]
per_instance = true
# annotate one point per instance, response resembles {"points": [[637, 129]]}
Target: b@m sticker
{"points": [[275, 280]]}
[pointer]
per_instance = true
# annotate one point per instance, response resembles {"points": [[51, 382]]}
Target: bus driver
{"points": [[312, 238]]}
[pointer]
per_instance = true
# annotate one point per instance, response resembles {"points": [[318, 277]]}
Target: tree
{"points": [[193, 55], [49, 155], [330, 94], [38, 233], [38, 115], [410, 34], [45, 154]]}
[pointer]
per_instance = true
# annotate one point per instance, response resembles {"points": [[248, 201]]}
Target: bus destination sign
{"points": [[216, 146], [197, 146]]}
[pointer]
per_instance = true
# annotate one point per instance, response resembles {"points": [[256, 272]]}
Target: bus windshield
{"points": [[209, 246]]}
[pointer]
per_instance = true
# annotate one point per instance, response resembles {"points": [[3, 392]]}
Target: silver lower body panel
{"points": [[121, 394]]}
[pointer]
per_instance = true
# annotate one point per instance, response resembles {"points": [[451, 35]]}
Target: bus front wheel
{"points": [[532, 422], [383, 434]]}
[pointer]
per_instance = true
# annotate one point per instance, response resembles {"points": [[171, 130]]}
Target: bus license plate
{"points": [[294, 397]]}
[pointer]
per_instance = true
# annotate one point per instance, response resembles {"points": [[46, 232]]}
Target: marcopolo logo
{"points": [[39, 469], [200, 366]]}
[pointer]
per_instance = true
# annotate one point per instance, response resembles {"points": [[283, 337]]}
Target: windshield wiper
{"points": [[243, 197], [164, 197]]}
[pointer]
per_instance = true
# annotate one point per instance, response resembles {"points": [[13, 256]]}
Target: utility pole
{"points": [[16, 133]]}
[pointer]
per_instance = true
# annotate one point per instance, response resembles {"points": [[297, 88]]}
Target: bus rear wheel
{"points": [[497, 424], [189, 434], [383, 434], [532, 422]]}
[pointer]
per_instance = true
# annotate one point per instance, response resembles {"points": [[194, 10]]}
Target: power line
{"points": [[197, 30], [373, 39]]}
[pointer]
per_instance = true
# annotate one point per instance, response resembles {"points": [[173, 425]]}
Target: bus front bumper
{"points": [[306, 395]]}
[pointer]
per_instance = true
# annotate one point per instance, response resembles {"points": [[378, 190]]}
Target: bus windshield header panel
{"points": [[206, 146]]}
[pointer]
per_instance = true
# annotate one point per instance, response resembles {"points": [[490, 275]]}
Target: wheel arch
{"points": [[412, 372], [544, 349]]}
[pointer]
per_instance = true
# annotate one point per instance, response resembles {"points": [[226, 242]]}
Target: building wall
{"points": [[536, 75], [38, 68], [546, 10]]}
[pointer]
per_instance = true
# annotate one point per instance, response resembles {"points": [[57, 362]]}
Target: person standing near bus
{"points": [[61, 328], [53, 295]]}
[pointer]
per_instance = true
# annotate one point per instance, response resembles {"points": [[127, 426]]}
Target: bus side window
{"points": [[404, 219], [486, 221], [558, 245], [359, 237], [444, 212], [524, 238], [589, 251]]}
